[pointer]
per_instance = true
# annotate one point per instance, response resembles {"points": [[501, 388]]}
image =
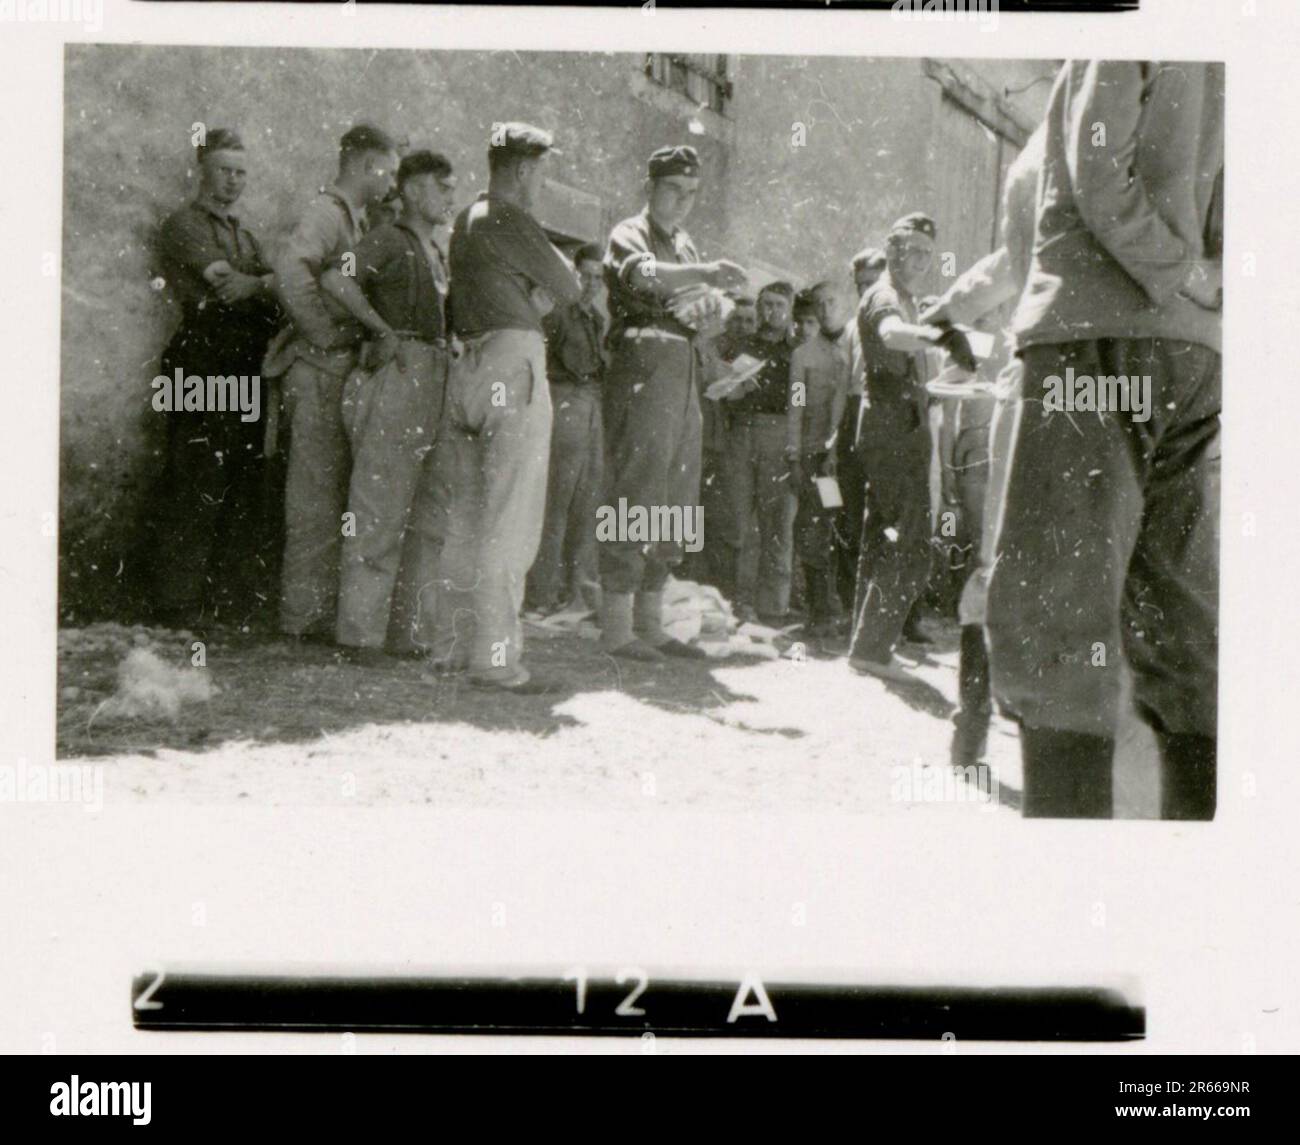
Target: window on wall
{"points": [[701, 78]]}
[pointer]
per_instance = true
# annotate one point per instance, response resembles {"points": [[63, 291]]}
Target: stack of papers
{"points": [[739, 371]]}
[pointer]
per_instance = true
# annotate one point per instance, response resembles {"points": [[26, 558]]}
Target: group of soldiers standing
{"points": [[454, 424]]}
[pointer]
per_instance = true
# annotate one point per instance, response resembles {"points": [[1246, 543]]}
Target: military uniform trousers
{"points": [[397, 500], [1109, 541], [652, 450], [208, 534], [498, 442], [316, 492], [894, 557]]}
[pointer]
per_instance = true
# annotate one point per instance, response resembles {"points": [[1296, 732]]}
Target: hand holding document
{"points": [[739, 371]]}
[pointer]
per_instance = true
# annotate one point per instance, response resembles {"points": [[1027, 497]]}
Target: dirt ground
{"points": [[289, 724]]}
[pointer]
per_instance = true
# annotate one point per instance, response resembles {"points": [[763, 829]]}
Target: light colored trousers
{"points": [[498, 443], [315, 496], [388, 585]]}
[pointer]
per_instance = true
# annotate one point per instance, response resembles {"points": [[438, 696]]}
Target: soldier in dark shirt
{"points": [[565, 569], [392, 408], [755, 470], [208, 532], [652, 407], [894, 449]]}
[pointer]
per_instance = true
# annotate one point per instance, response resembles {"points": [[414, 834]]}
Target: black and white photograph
{"points": [[744, 491], [703, 528]]}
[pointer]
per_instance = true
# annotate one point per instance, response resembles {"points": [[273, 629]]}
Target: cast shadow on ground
{"points": [[268, 690], [921, 696]]}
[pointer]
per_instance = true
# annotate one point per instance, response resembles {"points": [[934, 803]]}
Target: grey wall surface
{"points": [[872, 148]]}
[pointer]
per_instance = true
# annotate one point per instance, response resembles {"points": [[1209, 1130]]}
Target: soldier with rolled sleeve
{"points": [[314, 355], [652, 405], [893, 447]]}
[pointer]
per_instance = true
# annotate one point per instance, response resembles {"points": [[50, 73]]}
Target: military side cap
{"points": [[521, 139], [674, 161], [917, 221], [220, 139]]}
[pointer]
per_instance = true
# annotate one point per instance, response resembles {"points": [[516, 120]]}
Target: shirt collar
{"points": [[356, 214], [218, 212], [427, 240], [503, 203]]}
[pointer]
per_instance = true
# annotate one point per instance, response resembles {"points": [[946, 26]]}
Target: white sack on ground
{"points": [[148, 689]]}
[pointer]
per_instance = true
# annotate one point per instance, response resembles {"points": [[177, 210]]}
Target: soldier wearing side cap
{"points": [[893, 444], [652, 405], [505, 277]]}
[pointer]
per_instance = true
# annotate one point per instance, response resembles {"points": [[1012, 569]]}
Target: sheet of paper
{"points": [[740, 370], [828, 489]]}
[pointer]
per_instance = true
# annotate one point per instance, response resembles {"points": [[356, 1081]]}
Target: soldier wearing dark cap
{"points": [[315, 354], [209, 523], [565, 570], [755, 470], [893, 447], [505, 277], [652, 407]]}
